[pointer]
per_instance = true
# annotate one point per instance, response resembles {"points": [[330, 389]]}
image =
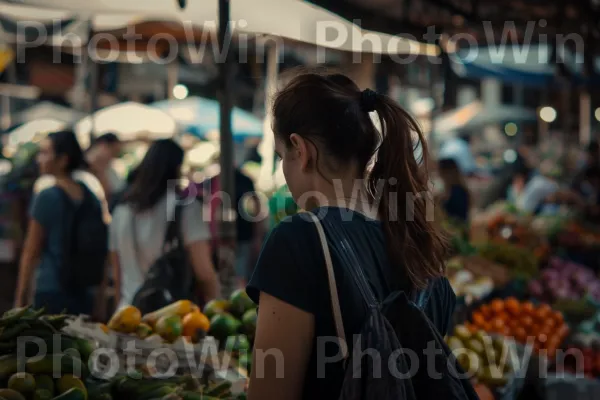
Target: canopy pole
{"points": [[226, 250], [267, 144]]}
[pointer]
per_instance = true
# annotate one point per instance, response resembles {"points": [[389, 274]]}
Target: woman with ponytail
{"points": [[365, 181]]}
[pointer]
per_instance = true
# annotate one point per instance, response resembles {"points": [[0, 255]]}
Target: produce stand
{"points": [[545, 295]]}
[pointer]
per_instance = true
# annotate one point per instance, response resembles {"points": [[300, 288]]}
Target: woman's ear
{"points": [[300, 151]]}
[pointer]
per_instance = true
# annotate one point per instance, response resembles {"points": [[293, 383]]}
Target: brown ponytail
{"points": [[406, 206], [332, 111]]}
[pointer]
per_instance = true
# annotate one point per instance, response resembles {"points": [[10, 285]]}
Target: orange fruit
{"points": [[543, 312], [486, 310], [194, 322], [512, 306], [558, 317], [520, 335], [497, 306], [497, 325], [549, 323], [478, 319], [526, 322], [527, 308]]}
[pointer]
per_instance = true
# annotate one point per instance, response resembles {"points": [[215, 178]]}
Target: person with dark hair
{"points": [[99, 156], [140, 221], [59, 157], [455, 199], [521, 175], [365, 184]]}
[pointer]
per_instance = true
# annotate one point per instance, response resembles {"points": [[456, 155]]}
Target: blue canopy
{"points": [[200, 117], [528, 65]]}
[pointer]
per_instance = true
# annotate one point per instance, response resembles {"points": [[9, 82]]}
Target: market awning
{"points": [[27, 131], [530, 65], [475, 115], [200, 117], [129, 121], [290, 19]]}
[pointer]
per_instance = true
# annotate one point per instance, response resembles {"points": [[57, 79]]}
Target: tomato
{"points": [[549, 322], [512, 306], [486, 311], [478, 319], [527, 308], [526, 322], [498, 325], [558, 317], [543, 312], [521, 335], [497, 306]]}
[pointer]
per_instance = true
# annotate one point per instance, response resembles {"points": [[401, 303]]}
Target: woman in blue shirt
{"points": [[59, 156]]}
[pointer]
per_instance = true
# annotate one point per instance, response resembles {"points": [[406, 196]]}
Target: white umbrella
{"points": [[48, 110], [28, 131], [129, 121]]}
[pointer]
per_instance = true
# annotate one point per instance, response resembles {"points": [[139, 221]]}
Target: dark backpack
{"points": [[85, 242], [400, 332], [169, 278]]}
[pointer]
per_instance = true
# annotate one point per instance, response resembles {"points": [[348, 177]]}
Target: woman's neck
{"points": [[351, 194]]}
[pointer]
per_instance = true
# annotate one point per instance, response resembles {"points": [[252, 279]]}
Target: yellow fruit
{"points": [[179, 308], [104, 328], [194, 322], [125, 320], [22, 382], [169, 328], [68, 382]]}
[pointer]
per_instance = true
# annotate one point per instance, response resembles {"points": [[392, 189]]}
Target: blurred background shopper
{"points": [[49, 250], [139, 223]]}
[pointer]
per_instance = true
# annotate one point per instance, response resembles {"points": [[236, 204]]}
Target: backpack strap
{"points": [[351, 262], [335, 301]]}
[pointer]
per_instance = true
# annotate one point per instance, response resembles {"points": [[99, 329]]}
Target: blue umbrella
{"points": [[200, 117]]}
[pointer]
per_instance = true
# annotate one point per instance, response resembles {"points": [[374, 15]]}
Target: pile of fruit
{"points": [[520, 261], [565, 280], [27, 371], [233, 324], [180, 319], [136, 387], [486, 358], [527, 323]]}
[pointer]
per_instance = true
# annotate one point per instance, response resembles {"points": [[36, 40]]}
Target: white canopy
{"points": [[27, 132], [48, 110], [129, 121], [291, 19]]}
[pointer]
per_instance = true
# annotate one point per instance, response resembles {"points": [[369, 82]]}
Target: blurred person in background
{"points": [[44, 251], [118, 197], [139, 224], [99, 157], [522, 174], [249, 231], [455, 198]]}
